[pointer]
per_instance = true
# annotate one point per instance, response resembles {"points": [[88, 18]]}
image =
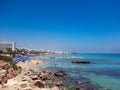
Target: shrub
{"points": [[9, 60]]}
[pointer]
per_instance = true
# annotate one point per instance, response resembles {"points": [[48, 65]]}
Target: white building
{"points": [[4, 45]]}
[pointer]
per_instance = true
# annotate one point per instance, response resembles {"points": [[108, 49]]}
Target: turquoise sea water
{"points": [[103, 73]]}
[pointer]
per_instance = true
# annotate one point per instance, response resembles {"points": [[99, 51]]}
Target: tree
{"points": [[1, 52], [18, 51], [9, 51]]}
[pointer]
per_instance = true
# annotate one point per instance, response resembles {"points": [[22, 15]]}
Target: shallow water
{"points": [[102, 74]]}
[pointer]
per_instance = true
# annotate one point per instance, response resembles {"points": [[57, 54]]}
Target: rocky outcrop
{"points": [[60, 74], [80, 88], [6, 72], [29, 79], [3, 77], [34, 77], [39, 84], [32, 80], [81, 62]]}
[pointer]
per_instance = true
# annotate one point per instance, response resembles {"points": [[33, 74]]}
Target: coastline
{"points": [[41, 74], [28, 79]]}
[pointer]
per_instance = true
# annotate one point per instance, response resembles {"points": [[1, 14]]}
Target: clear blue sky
{"points": [[72, 25]]}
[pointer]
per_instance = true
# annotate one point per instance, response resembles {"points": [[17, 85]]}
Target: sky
{"points": [[85, 26]]}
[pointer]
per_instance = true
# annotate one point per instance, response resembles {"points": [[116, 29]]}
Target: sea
{"points": [[103, 73]]}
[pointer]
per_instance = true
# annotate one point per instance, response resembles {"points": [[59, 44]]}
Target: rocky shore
{"points": [[28, 79], [31, 80], [7, 72]]}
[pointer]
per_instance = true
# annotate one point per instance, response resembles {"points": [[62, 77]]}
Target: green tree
{"points": [[1, 52], [9, 51]]}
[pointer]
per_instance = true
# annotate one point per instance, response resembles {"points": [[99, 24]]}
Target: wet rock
{"points": [[109, 89], [50, 85], [91, 88], [65, 79], [81, 62], [45, 77], [46, 71], [60, 83], [60, 73], [39, 84], [63, 88], [79, 82], [80, 88]]}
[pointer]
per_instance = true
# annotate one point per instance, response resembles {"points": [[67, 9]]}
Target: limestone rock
{"points": [[60, 73], [35, 77], [39, 84]]}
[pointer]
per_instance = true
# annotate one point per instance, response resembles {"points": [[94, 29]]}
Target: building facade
{"points": [[4, 45]]}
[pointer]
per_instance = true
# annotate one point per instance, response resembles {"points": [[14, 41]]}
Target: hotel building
{"points": [[4, 45]]}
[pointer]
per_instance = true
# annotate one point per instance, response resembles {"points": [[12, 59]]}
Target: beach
{"points": [[29, 79]]}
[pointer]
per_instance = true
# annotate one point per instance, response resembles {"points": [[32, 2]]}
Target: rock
{"points": [[79, 82], [39, 84], [2, 71], [79, 88], [31, 71], [3, 77], [28, 73], [24, 85], [55, 88], [10, 70], [27, 78], [65, 79], [28, 88], [63, 88], [0, 86], [35, 77], [11, 73], [109, 89], [81, 62], [45, 77], [32, 85], [50, 84], [9, 76], [90, 88], [45, 71], [60, 74], [4, 65], [60, 83], [15, 87]]}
